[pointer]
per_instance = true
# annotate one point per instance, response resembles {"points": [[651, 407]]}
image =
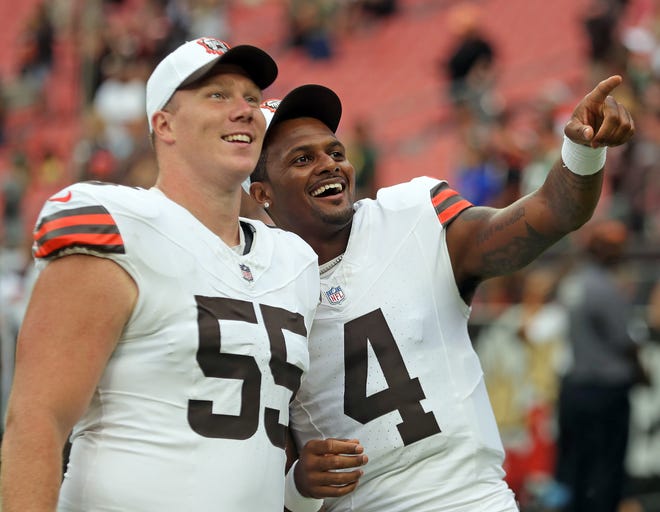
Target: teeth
{"points": [[323, 188], [238, 137]]}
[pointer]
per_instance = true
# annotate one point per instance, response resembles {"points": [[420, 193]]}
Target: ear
{"points": [[253, 210], [260, 192], [161, 123]]}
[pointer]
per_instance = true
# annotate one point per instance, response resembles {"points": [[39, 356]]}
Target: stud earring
{"points": [[266, 204]]}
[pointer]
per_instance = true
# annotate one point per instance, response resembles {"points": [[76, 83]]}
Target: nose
{"points": [[242, 109], [328, 164]]}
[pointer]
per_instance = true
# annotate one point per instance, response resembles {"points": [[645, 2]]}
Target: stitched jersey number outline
{"points": [[403, 393], [237, 366]]}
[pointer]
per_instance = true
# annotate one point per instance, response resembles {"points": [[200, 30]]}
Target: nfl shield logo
{"points": [[247, 273], [335, 295]]}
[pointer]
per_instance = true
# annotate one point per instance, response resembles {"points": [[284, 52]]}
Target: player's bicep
{"points": [[77, 311], [466, 245], [487, 242]]}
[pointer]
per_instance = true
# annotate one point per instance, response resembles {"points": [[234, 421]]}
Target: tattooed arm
{"points": [[488, 242]]}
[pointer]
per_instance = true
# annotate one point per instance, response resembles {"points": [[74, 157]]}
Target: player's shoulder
{"points": [[405, 195], [423, 194], [84, 217], [413, 195], [103, 196]]}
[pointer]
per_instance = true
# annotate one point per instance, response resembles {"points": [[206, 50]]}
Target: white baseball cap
{"points": [[194, 59]]}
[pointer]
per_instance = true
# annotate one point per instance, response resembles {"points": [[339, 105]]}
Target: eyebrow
{"points": [[226, 83], [304, 148]]}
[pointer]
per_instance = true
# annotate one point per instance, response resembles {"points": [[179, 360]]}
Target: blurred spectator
{"points": [[363, 154], [353, 16], [594, 402], [653, 312], [549, 115], [141, 170], [114, 32], [508, 146], [16, 279], [480, 175], [311, 23], [643, 461], [470, 65], [37, 46], [14, 185], [634, 174], [50, 170], [120, 103], [602, 24], [91, 158], [379, 8], [643, 52], [522, 353], [3, 115], [208, 18]]}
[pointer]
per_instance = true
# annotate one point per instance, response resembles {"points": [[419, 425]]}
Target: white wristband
{"points": [[582, 160], [295, 501]]}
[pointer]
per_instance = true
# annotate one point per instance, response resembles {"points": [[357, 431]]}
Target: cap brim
{"points": [[258, 65], [311, 100]]}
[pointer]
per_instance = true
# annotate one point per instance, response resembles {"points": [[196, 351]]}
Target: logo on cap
{"points": [[271, 104], [213, 45]]}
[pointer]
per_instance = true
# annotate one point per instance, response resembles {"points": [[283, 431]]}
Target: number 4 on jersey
{"points": [[403, 393]]}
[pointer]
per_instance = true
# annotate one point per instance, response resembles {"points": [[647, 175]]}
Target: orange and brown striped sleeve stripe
{"points": [[447, 203], [90, 227]]}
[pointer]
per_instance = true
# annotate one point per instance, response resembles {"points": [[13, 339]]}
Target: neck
{"points": [[329, 246], [216, 210]]}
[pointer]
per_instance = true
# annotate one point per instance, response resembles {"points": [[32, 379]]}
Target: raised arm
{"points": [[487, 242]]}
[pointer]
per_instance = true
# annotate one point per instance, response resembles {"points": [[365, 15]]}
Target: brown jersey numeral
{"points": [[216, 364], [403, 393]]}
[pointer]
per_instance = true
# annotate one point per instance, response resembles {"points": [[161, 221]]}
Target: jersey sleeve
{"points": [[86, 229], [448, 203], [73, 221]]}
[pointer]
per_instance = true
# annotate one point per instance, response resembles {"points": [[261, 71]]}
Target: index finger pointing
{"points": [[605, 88]]}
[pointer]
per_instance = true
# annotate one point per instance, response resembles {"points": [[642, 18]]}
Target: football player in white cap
{"points": [[165, 335], [391, 361]]}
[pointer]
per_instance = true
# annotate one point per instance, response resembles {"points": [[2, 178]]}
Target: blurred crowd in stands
{"points": [[500, 161], [519, 322]]}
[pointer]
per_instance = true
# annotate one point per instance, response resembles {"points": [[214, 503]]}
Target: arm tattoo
{"points": [[517, 251], [567, 196], [506, 240], [515, 216], [520, 251]]}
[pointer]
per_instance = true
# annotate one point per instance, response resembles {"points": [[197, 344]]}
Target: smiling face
{"points": [[216, 123], [309, 182]]}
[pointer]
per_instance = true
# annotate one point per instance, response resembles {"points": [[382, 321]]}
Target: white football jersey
{"points": [[392, 365], [191, 410]]}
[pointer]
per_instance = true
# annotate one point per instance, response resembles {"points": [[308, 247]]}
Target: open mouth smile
{"points": [[328, 190], [238, 137]]}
